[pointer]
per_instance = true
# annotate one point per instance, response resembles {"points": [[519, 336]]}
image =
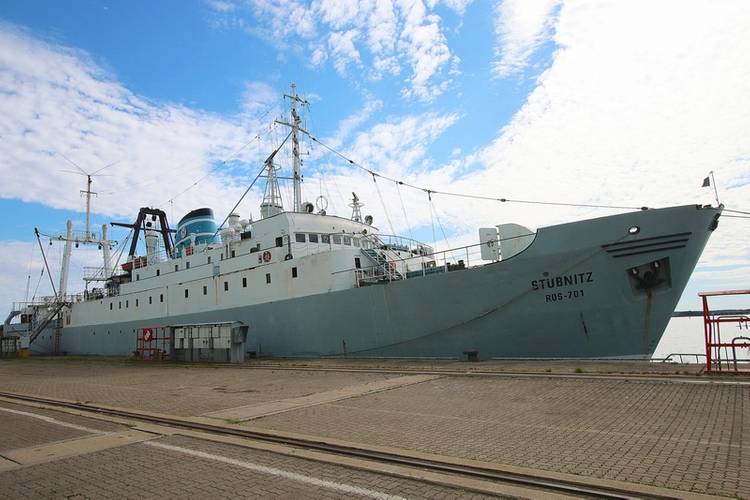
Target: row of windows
{"points": [[205, 291], [127, 302], [336, 239]]}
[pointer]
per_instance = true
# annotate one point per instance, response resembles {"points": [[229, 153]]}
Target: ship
{"points": [[305, 283]]}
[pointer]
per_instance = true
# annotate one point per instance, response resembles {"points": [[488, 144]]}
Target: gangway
{"points": [[721, 353]]}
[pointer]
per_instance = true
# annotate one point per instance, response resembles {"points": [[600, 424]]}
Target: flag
{"points": [[706, 182]]}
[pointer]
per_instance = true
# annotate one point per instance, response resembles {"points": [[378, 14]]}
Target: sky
{"points": [[591, 102]]}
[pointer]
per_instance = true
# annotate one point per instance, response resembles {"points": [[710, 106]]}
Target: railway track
{"points": [[577, 488]]}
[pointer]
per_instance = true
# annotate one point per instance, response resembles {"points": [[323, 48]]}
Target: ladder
{"points": [[381, 263], [42, 324]]}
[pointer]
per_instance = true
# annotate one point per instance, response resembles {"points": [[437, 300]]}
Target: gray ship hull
{"points": [[584, 289]]}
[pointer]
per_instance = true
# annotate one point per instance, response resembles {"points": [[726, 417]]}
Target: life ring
{"points": [[148, 334], [392, 265], [266, 256]]}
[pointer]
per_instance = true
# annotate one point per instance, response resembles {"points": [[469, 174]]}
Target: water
{"points": [[685, 335]]}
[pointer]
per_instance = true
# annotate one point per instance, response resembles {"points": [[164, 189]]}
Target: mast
{"points": [[66, 261], [87, 235], [296, 161]]}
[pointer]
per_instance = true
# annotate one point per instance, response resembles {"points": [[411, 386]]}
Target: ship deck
{"points": [[619, 423]]}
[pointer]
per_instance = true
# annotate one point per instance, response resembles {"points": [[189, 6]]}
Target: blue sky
{"points": [[548, 99]]}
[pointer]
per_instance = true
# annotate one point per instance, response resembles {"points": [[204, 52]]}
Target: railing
{"points": [[717, 350], [669, 358]]}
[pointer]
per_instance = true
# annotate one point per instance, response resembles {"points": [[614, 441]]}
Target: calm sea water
{"points": [[685, 335]]}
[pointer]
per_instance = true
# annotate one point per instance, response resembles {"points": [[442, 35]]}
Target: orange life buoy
{"points": [[266, 256], [148, 334]]}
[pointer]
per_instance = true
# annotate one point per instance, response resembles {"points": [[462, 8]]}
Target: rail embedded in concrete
{"points": [[574, 487]]}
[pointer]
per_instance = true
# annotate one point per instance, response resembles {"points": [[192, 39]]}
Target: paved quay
{"points": [[644, 423], [149, 466]]}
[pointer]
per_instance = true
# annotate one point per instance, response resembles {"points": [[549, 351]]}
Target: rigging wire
{"points": [[735, 212], [231, 157], [39, 281], [440, 224], [465, 195], [403, 209], [385, 210], [736, 216], [270, 159]]}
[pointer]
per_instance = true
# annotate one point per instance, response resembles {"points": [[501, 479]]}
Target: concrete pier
{"points": [[660, 426]]}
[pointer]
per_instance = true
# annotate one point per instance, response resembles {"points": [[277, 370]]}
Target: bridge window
{"points": [[149, 300], [268, 278], [347, 240], [110, 305], [355, 241], [119, 305], [186, 293], [226, 286], [357, 263], [325, 238], [299, 237], [244, 282], [279, 241], [187, 264], [336, 239], [161, 297], [294, 272], [205, 290], [312, 237], [158, 272]]}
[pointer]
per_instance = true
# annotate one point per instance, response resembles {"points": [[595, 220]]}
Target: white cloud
{"points": [[343, 50], [55, 102], [521, 27], [459, 6], [383, 36]]}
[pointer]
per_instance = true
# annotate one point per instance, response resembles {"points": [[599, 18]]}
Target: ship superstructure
{"points": [[307, 283]]}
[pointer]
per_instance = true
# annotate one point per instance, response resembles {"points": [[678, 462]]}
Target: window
{"points": [[205, 290], [336, 239], [244, 282], [126, 304], [357, 263], [347, 240], [158, 272], [294, 272], [187, 264], [313, 238], [299, 237], [161, 297], [119, 305], [176, 267], [355, 241], [136, 302], [149, 300], [268, 277], [226, 286], [186, 293], [137, 277], [110, 305], [325, 238], [279, 241], [209, 259], [232, 253], [222, 255]]}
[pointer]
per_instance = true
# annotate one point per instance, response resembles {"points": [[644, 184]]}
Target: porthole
{"points": [[634, 230]]}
